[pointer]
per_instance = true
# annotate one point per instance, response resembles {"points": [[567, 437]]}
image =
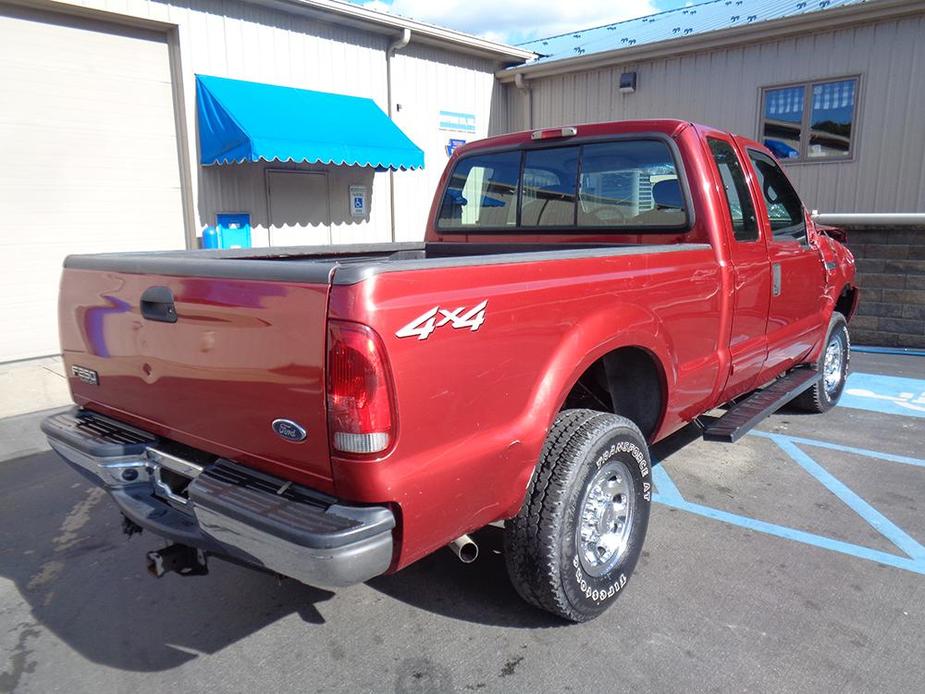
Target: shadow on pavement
{"points": [[87, 583], [479, 592]]}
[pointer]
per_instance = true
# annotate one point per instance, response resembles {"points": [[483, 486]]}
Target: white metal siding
{"points": [[721, 87], [426, 81], [90, 159], [128, 160]]}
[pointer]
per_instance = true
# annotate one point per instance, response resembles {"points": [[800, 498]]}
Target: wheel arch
{"points": [[630, 381]]}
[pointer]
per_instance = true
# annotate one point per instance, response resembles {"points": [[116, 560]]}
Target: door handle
{"points": [[775, 279], [157, 304]]}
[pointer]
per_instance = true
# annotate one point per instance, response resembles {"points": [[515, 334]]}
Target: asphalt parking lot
{"points": [[791, 561]]}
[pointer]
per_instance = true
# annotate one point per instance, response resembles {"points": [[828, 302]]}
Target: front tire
{"points": [[832, 367], [576, 541]]}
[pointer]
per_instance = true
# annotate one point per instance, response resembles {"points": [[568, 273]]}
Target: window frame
{"points": [[517, 229], [807, 117]]}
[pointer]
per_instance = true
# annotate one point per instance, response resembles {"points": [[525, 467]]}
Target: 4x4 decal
{"points": [[422, 326]]}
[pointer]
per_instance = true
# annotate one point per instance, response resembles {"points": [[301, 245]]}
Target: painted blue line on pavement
{"points": [[795, 535], [903, 351], [904, 459], [872, 516], [667, 491], [669, 495], [886, 394]]}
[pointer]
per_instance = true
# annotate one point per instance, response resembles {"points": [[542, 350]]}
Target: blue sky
{"points": [[515, 21]]}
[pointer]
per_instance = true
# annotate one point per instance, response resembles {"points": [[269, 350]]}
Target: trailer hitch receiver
{"points": [[182, 559]]}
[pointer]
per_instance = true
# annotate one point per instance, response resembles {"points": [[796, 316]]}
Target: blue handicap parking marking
{"points": [[886, 394], [913, 557]]}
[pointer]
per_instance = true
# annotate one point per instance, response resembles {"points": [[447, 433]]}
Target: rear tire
{"points": [[576, 541], [832, 367]]}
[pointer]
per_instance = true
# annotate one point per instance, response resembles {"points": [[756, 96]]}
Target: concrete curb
{"points": [[20, 435]]}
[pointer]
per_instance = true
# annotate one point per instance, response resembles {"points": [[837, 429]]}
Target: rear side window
{"points": [[623, 185], [785, 209], [738, 198], [630, 183], [482, 192]]}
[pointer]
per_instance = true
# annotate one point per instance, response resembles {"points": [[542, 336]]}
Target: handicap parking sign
{"points": [[358, 201]]}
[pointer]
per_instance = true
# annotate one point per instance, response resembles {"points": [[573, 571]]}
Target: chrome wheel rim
{"points": [[833, 365], [605, 518]]}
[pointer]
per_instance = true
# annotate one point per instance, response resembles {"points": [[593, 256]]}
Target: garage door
{"points": [[88, 159]]}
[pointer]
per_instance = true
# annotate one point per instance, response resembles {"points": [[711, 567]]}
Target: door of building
{"points": [[90, 158], [299, 208]]}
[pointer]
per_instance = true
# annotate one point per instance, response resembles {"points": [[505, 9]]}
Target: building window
{"points": [[810, 122]]}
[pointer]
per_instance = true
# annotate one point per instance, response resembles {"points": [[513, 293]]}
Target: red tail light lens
{"points": [[360, 418]]}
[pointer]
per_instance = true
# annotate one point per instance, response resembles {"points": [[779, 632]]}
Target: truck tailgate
{"points": [[240, 355]]}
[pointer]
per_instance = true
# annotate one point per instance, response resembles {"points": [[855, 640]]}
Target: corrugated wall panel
{"points": [[721, 88], [229, 38], [426, 81]]}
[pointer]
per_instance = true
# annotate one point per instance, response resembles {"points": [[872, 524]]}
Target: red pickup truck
{"points": [[336, 413]]}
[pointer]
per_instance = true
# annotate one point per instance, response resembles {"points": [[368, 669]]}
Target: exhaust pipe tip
{"points": [[465, 549]]}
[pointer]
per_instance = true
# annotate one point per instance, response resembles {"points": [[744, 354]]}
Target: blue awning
{"points": [[250, 121]]}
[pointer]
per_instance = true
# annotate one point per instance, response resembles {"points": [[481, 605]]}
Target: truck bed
{"points": [[349, 264]]}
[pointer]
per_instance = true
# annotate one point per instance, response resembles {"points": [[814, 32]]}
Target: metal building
{"points": [[101, 140], [835, 87]]}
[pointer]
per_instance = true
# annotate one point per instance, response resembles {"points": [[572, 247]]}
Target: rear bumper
{"points": [[229, 509]]}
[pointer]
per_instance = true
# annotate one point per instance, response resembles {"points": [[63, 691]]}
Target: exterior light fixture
{"points": [[627, 82]]}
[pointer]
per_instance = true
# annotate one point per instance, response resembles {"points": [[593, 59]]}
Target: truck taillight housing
{"points": [[361, 420]]}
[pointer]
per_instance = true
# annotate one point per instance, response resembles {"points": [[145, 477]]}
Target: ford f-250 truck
{"points": [[336, 413]]}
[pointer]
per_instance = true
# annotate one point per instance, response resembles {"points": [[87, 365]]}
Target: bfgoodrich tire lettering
{"points": [[543, 543]]}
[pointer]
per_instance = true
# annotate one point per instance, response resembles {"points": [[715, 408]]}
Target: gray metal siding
{"points": [[721, 88]]}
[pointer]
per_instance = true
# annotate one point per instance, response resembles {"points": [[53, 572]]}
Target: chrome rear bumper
{"points": [[225, 508]]}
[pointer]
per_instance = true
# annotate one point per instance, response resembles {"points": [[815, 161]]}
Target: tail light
{"points": [[360, 415]]}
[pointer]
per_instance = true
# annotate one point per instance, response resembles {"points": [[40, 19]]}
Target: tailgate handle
{"points": [[157, 304]]}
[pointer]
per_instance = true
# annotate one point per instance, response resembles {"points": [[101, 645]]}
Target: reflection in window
{"points": [[621, 185], [630, 183], [482, 192], [783, 121], [738, 198], [549, 180], [813, 121], [785, 209], [832, 115]]}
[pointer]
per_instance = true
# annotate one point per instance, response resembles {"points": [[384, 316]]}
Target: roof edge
{"points": [[381, 22], [776, 28]]}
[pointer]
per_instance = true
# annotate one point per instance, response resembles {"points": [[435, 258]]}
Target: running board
{"points": [[745, 415]]}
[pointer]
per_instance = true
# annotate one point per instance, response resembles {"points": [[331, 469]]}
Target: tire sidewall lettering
{"points": [[594, 593]]}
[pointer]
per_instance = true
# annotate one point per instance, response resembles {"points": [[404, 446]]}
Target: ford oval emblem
{"points": [[289, 430]]}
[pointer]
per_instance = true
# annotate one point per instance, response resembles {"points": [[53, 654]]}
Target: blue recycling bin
{"points": [[234, 230]]}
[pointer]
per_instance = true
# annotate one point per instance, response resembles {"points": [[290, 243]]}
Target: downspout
{"points": [[393, 48], [521, 84]]}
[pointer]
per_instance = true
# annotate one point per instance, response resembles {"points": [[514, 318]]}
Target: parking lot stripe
{"points": [[786, 533], [872, 516], [904, 459], [668, 494]]}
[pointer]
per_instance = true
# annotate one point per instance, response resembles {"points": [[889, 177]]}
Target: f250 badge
{"points": [[86, 375], [422, 326]]}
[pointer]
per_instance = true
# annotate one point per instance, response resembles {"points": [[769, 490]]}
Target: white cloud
{"points": [[514, 21]]}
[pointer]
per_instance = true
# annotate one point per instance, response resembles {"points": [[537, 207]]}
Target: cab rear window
{"points": [[623, 185]]}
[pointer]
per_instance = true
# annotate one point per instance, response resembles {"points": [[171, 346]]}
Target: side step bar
{"points": [[743, 416]]}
